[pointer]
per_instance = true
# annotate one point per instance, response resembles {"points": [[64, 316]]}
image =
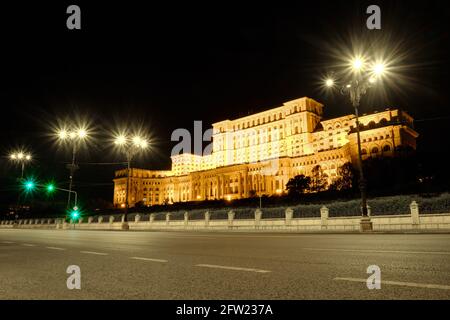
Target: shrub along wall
{"points": [[394, 205]]}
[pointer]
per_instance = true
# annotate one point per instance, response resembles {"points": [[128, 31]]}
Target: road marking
{"points": [[55, 248], [93, 252], [400, 283], [148, 259], [7, 242], [190, 237], [231, 268], [379, 251], [29, 245]]}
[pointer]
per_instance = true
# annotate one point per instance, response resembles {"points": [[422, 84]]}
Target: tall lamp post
{"points": [[74, 138], [21, 158], [130, 147], [355, 86]]}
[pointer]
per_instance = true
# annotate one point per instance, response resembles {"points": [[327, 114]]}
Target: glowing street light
{"points": [[22, 158], [356, 85], [379, 69], [73, 136], [120, 140], [130, 146], [82, 133], [357, 64]]}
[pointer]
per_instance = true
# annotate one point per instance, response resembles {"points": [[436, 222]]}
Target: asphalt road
{"points": [[184, 265]]}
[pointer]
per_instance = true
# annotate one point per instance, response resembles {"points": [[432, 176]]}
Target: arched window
{"points": [[374, 150], [363, 151], [371, 124], [387, 148], [383, 121]]}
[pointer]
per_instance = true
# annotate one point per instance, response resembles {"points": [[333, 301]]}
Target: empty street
{"points": [[187, 265]]}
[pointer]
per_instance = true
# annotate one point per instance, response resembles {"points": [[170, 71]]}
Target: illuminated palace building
{"points": [[259, 153]]}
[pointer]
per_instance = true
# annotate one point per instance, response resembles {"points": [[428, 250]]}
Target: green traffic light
{"points": [[75, 213], [50, 187], [29, 185]]}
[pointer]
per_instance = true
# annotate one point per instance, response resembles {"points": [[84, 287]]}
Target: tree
{"points": [[139, 204], [345, 179], [319, 180], [298, 185]]}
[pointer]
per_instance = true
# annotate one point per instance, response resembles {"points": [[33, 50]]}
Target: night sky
{"points": [[164, 65]]}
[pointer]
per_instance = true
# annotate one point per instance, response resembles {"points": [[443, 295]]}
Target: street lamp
{"points": [[73, 137], [22, 158], [130, 147], [363, 75]]}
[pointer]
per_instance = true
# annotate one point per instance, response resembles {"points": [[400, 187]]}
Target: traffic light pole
{"points": [[70, 191], [72, 172]]}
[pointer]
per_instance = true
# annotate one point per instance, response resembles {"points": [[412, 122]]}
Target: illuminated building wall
{"points": [[259, 153]]}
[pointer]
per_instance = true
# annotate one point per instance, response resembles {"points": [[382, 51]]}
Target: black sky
{"points": [[165, 64]]}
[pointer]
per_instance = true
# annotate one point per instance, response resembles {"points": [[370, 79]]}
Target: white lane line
{"points": [[93, 252], [7, 242], [29, 245], [231, 268], [190, 237], [379, 251], [400, 283], [149, 259], [55, 248]]}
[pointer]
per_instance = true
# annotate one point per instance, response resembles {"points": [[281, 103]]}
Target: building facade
{"points": [[259, 153]]}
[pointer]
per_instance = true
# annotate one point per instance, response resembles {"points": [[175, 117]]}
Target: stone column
{"points": [[368, 210], [415, 219], [111, 219], [186, 219], [230, 218], [258, 215], [324, 213], [245, 184], [239, 186], [137, 218], [167, 219], [90, 219], [289, 213], [100, 219], [207, 216], [152, 217]]}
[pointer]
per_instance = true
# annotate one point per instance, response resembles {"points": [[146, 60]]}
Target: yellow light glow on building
{"points": [[259, 153]]}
